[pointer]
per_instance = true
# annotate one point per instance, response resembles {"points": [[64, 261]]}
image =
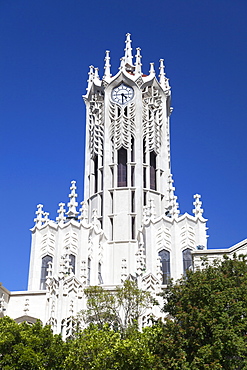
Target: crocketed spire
{"points": [[107, 66], [128, 50], [72, 212], [198, 211], [138, 65]]}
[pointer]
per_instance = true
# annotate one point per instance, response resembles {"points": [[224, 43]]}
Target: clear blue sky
{"points": [[46, 47]]}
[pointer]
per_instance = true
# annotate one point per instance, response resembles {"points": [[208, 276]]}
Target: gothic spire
{"points": [[72, 212], [198, 211], [107, 66], [39, 219], [128, 50], [61, 211], [163, 79], [96, 73], [162, 72], [172, 208], [83, 211], [152, 70], [138, 65], [90, 76]]}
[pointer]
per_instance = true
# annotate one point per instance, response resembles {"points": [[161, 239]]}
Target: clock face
{"points": [[122, 94]]}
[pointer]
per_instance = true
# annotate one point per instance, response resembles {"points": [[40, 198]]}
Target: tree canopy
{"points": [[205, 328], [120, 309], [29, 347], [209, 317]]}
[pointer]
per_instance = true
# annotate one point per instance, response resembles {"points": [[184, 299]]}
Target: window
{"points": [[165, 265], [122, 167], [112, 177], [101, 179], [132, 176], [152, 171], [144, 198], [44, 270], [144, 151], [132, 149], [132, 201], [187, 259], [99, 274], [72, 262], [111, 228], [112, 204], [88, 271], [101, 205], [144, 177], [133, 228], [96, 174]]}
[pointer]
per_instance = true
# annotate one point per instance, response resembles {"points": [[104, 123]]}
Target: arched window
{"points": [[72, 262], [122, 168], [165, 265], [44, 270], [187, 259], [152, 171]]}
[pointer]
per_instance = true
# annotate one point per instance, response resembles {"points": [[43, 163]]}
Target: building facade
{"points": [[129, 223]]}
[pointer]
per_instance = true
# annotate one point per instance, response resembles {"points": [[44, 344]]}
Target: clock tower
{"points": [[128, 180], [127, 149]]}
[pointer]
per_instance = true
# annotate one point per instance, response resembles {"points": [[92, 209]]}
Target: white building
{"points": [[129, 222]]}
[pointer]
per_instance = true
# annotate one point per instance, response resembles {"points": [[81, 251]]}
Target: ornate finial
{"points": [[121, 64], [162, 72], [163, 80], [83, 275], [2, 303], [39, 219], [198, 211], [61, 213], [152, 70], [71, 309], [66, 264], [90, 76], [46, 217], [145, 214], [95, 220], [107, 66], [172, 207], [152, 208], [83, 211], [26, 306], [123, 270], [128, 50], [159, 269], [72, 212], [138, 65], [96, 73]]}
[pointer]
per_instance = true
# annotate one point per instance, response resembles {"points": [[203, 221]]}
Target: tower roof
{"points": [[132, 70]]}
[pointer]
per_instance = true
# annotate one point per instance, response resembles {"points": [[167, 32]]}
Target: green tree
{"points": [[29, 347], [208, 329], [121, 308], [105, 349]]}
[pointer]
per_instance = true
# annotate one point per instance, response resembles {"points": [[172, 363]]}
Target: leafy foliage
{"points": [[206, 328], [105, 349], [25, 347], [209, 325], [120, 308]]}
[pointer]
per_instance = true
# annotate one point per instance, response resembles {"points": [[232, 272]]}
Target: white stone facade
{"points": [[129, 222]]}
